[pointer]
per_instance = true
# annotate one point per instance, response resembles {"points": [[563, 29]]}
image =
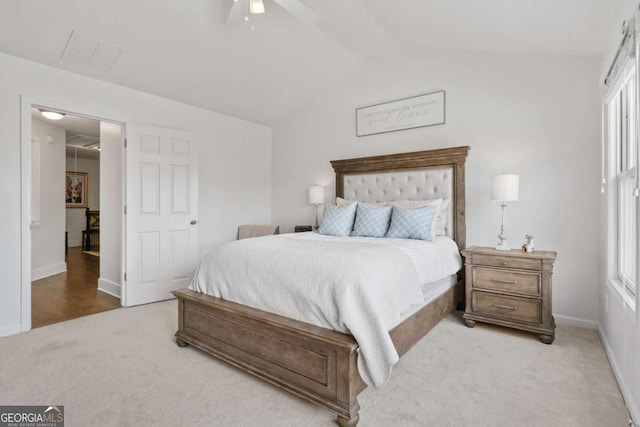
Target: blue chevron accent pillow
{"points": [[338, 221], [412, 223], [371, 222]]}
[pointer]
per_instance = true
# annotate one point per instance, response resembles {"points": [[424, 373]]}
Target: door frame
{"points": [[26, 103]]}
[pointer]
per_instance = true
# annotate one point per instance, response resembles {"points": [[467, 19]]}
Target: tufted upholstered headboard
{"points": [[418, 184], [418, 175]]}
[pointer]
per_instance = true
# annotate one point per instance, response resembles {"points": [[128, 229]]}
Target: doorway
{"points": [[68, 180], [152, 232]]}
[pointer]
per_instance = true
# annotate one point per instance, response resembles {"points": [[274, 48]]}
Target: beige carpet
{"points": [[122, 367]]}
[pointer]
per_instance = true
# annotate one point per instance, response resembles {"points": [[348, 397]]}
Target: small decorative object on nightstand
{"points": [[528, 245], [510, 288], [303, 228]]}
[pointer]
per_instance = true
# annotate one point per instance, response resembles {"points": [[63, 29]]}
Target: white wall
{"points": [[534, 116], [47, 240], [76, 219], [111, 208], [619, 325], [234, 169]]}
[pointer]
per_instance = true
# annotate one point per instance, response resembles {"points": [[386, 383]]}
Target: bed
{"points": [[313, 362]]}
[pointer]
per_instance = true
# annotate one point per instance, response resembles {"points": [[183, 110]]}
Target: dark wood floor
{"points": [[72, 294]]}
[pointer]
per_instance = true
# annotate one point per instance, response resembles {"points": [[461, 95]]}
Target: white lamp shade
{"points": [[316, 194], [256, 6], [505, 187]]}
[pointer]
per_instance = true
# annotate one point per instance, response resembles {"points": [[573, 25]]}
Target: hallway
{"points": [[72, 294]]}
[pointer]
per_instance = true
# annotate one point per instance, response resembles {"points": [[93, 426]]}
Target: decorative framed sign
{"points": [[417, 111], [76, 189]]}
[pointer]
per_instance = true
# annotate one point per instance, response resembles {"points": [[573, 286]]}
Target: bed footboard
{"points": [[314, 363]]}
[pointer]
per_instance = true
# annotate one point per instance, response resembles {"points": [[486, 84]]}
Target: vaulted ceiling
{"points": [[183, 49]]}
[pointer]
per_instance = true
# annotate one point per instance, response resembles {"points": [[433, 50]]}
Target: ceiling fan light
{"points": [[51, 115], [256, 6]]}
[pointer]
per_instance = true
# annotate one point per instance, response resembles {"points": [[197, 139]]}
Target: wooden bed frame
{"points": [[318, 364]]}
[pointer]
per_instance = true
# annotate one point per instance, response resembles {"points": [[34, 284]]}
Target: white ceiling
{"points": [[182, 49], [75, 126]]}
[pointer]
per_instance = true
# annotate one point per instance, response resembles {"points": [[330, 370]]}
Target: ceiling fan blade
{"points": [[237, 13], [299, 10]]}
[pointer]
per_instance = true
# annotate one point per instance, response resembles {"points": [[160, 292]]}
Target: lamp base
{"points": [[316, 226], [503, 246]]}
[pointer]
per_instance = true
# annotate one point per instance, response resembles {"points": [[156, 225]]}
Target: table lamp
{"points": [[316, 197], [504, 188]]}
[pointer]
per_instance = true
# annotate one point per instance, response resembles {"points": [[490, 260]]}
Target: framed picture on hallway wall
{"points": [[76, 189]]}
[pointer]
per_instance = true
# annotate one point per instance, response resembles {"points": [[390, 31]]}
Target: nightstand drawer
{"points": [[506, 281], [512, 308], [507, 262]]}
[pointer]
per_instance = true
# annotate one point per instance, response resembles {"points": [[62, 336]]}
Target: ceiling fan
{"points": [[241, 9]]}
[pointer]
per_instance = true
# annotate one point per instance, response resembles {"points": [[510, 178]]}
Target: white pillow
{"points": [[344, 202], [442, 216], [439, 224]]}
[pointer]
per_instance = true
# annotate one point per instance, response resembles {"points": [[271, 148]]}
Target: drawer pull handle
{"points": [[508, 282], [505, 263], [506, 307]]}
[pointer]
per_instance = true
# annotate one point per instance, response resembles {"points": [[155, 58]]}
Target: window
{"points": [[623, 212]]}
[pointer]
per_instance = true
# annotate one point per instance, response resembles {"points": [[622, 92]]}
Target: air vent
{"points": [[84, 141], [90, 51]]}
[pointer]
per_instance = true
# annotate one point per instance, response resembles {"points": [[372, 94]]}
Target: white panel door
{"points": [[161, 213]]}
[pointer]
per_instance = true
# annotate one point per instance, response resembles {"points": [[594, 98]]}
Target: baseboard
{"points": [[634, 411], [575, 321], [10, 330], [41, 273], [75, 243], [109, 287]]}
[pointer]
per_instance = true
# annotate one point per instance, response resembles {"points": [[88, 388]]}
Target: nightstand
{"points": [[510, 288], [303, 228]]}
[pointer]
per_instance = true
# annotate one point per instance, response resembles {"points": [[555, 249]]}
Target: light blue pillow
{"points": [[338, 221], [411, 223], [371, 222]]}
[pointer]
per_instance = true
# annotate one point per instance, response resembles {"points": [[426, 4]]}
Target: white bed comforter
{"points": [[361, 286]]}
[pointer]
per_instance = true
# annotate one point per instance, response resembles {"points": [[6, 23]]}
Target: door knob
{"points": [[193, 222]]}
